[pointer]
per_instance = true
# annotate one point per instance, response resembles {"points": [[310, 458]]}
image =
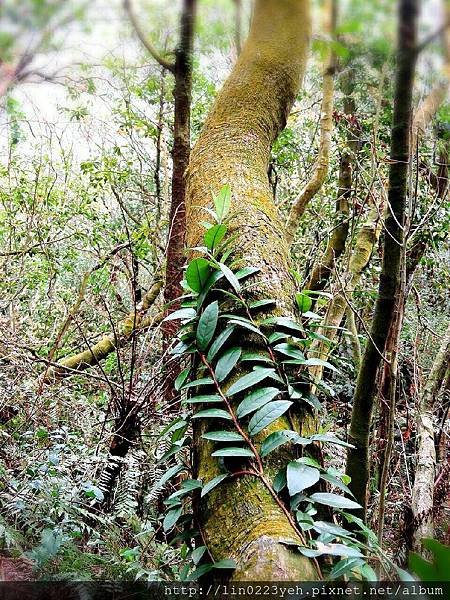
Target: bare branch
{"points": [[144, 39]]}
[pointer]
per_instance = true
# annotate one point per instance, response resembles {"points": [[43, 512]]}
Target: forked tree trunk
{"points": [[358, 457], [240, 520]]}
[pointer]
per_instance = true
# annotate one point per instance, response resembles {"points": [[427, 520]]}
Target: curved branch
{"points": [[144, 39], [326, 129], [132, 323]]}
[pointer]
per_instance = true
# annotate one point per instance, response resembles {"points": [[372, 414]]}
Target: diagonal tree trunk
{"points": [[241, 520]]}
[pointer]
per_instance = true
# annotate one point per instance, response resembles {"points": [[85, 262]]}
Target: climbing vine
{"points": [[245, 392]]}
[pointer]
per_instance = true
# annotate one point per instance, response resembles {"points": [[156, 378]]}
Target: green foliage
{"points": [[438, 569], [248, 408]]}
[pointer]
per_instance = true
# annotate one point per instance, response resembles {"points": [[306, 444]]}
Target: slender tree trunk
{"points": [[241, 520], [358, 457], [365, 243], [180, 154], [423, 489], [336, 244], [326, 129]]}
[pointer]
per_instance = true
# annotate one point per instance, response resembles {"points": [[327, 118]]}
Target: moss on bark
{"points": [[240, 519]]}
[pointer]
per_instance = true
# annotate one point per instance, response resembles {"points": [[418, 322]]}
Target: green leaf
{"points": [[197, 383], [261, 303], [226, 563], [197, 273], [322, 437], [312, 362], [289, 350], [339, 550], [214, 236], [331, 528], [334, 500], [336, 482], [213, 483], [181, 378], [171, 518], [227, 362], [222, 436], [279, 481], [200, 571], [219, 342], [169, 474], [212, 279], [436, 570], [197, 554], [233, 451], [367, 572], [231, 277], [246, 325], [284, 322], [246, 272], [300, 477], [222, 202], [249, 380], [267, 414], [304, 302], [212, 413], [256, 357], [207, 325], [182, 314], [278, 438], [256, 400], [200, 399], [344, 567], [192, 484], [307, 460]]}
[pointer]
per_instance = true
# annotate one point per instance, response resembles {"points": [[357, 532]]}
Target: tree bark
{"points": [[241, 520], [365, 243], [326, 129], [423, 488], [128, 327], [336, 244], [180, 154], [358, 457]]}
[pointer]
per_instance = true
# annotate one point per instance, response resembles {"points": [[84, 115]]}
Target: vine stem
{"points": [[239, 429], [260, 472]]}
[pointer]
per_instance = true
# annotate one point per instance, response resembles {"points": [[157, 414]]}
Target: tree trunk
{"points": [[358, 457], [241, 520], [336, 244], [180, 154], [366, 240], [423, 489], [326, 129]]}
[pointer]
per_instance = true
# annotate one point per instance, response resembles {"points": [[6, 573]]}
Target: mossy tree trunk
{"points": [[322, 270], [365, 242], [240, 519], [320, 170], [358, 457]]}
